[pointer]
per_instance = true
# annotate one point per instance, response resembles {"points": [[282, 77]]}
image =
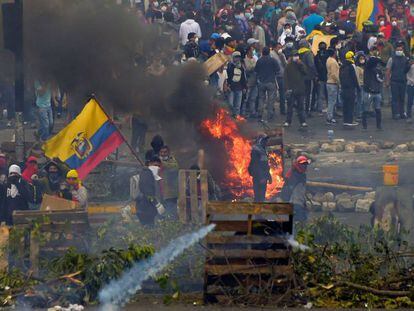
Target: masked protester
{"points": [[148, 201], [320, 64], [18, 195], [50, 184], [294, 189], [31, 169], [259, 168], [373, 79], [295, 89], [360, 60], [73, 190], [397, 67]]}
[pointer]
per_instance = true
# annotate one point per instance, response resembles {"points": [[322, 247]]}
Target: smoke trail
{"points": [[119, 291], [295, 244]]}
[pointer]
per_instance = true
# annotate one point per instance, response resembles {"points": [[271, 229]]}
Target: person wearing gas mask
{"points": [[73, 190], [294, 188], [169, 174], [259, 168], [55, 176], [287, 33], [148, 201], [18, 194], [295, 89], [236, 80], [397, 67]]}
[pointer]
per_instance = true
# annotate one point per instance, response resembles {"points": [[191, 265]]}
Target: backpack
{"points": [[134, 191]]}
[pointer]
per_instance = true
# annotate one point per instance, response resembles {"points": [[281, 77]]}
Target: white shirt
{"points": [[186, 27]]}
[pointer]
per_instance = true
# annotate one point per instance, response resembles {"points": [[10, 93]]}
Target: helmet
{"points": [[15, 169], [72, 174], [303, 160], [349, 55]]}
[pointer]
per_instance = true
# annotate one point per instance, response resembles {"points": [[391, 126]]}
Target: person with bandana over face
{"points": [[17, 193], [148, 201], [73, 190], [294, 189], [259, 168], [55, 176]]}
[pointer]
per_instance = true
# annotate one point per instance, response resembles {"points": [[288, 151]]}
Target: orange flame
{"points": [[238, 179]]}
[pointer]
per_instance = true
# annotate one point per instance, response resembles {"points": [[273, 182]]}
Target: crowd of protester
{"points": [[352, 75]]}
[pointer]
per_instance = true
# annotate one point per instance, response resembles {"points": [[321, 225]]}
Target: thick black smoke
{"points": [[96, 46]]}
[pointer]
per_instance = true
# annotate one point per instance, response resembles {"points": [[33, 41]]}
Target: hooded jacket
{"points": [[347, 76], [18, 194], [373, 76], [306, 56], [190, 25], [29, 170]]}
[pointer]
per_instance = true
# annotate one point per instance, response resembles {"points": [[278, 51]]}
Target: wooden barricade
{"points": [[192, 195], [48, 234], [247, 249]]}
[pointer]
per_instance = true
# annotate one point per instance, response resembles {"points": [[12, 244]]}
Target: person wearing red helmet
{"points": [[294, 188]]}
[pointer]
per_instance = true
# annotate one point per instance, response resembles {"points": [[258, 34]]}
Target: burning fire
{"points": [[238, 179]]}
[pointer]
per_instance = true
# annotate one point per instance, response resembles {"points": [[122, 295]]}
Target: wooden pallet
{"points": [[247, 250], [48, 234], [192, 195]]}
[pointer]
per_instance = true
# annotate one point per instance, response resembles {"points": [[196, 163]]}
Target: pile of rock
{"points": [[343, 202], [340, 145]]}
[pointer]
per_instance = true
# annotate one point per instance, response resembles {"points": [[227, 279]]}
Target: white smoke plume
{"points": [[118, 292]]}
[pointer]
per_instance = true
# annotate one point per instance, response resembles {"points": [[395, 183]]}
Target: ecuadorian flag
{"points": [[86, 141], [367, 11]]}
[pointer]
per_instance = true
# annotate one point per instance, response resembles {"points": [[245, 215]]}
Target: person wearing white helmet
{"points": [[18, 195]]}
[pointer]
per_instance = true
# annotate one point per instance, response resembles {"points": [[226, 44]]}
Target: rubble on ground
{"points": [[342, 202]]}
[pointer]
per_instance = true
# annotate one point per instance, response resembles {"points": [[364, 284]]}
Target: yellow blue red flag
{"points": [[367, 11], [86, 141]]}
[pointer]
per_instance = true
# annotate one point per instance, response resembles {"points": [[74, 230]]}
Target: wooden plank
{"points": [[248, 269], [248, 253], [194, 196], [219, 207], [204, 193], [242, 239], [182, 196], [249, 225], [240, 226]]}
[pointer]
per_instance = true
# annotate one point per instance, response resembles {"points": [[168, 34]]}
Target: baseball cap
{"points": [[214, 36], [252, 41]]}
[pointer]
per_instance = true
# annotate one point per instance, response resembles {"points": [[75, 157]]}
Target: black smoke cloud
{"points": [[96, 46]]}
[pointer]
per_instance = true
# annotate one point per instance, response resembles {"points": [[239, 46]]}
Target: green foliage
{"points": [[341, 259]]}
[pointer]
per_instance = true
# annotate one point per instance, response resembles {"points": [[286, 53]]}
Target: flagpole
{"points": [[117, 128]]}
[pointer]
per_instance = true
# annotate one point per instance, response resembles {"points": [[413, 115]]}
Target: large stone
{"points": [[328, 206], [343, 195], [318, 197], [387, 145], [410, 146], [345, 205], [350, 148], [363, 205], [370, 195], [313, 148], [329, 197], [315, 206], [401, 148], [363, 147], [333, 147]]}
